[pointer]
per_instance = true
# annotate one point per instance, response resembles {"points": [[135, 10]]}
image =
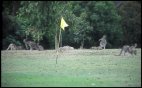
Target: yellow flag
{"points": [[63, 23]]}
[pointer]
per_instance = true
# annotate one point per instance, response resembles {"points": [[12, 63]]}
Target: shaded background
{"points": [[88, 22]]}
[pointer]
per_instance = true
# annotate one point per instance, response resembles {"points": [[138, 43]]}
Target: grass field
{"points": [[99, 68]]}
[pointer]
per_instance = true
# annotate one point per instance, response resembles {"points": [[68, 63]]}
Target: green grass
{"points": [[99, 68]]}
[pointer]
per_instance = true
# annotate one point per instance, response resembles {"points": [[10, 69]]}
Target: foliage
{"points": [[105, 20], [32, 19], [88, 21], [96, 19], [131, 15], [11, 32]]}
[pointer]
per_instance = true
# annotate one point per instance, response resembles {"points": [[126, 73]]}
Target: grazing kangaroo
{"points": [[130, 49]]}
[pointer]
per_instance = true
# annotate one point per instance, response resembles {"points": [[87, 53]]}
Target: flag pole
{"points": [[57, 52], [62, 25]]}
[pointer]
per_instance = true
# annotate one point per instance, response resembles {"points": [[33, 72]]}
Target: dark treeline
{"points": [[88, 21]]}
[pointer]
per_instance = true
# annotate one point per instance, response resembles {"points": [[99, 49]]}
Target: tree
{"points": [[11, 32], [32, 19], [88, 21], [43, 19], [102, 17], [131, 21]]}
